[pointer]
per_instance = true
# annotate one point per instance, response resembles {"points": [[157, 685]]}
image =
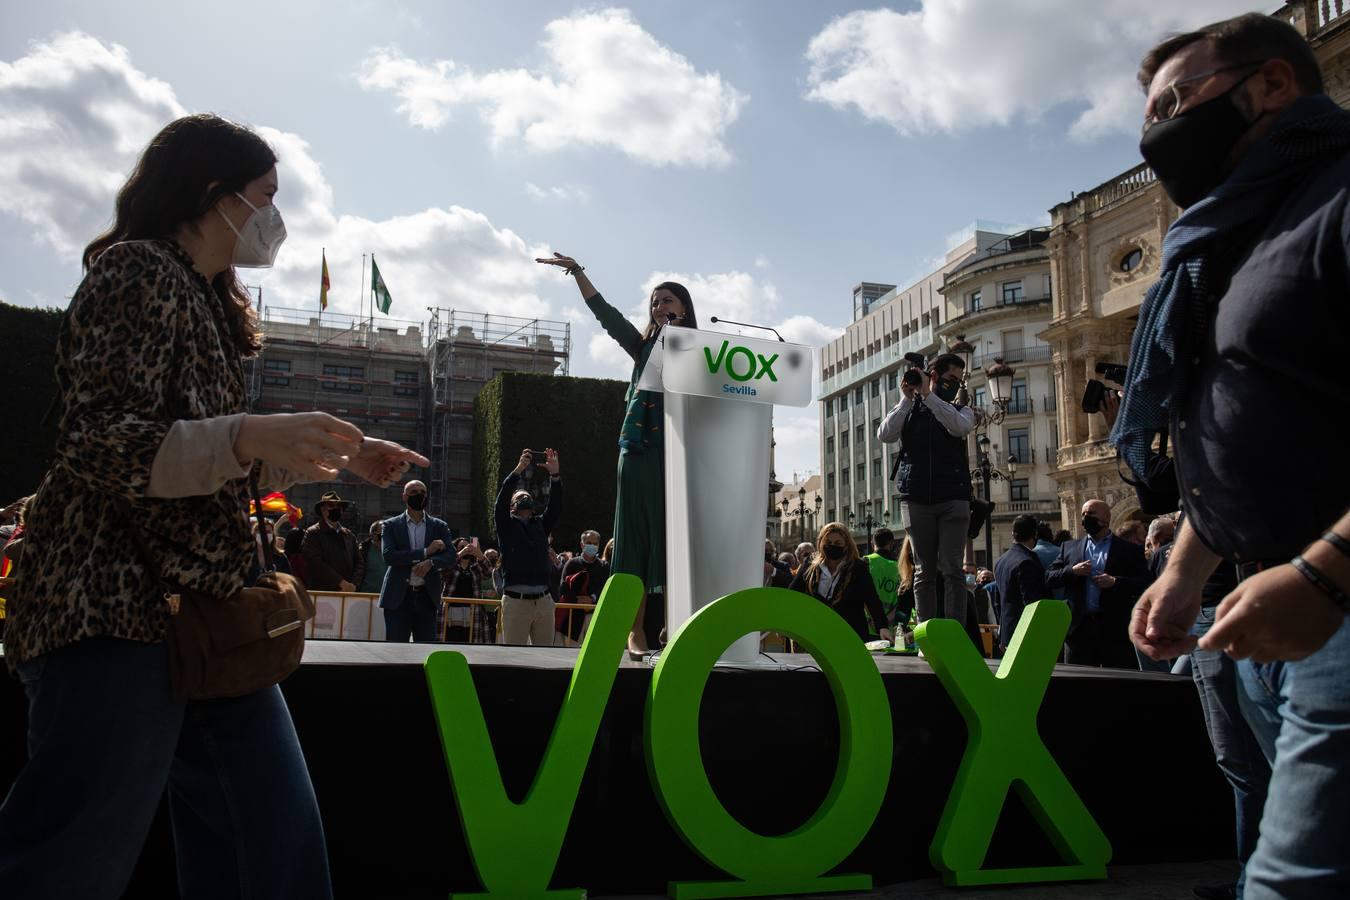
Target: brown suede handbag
{"points": [[231, 646]]}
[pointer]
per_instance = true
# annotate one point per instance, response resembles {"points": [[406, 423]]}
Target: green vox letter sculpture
{"points": [[515, 846], [793, 863], [1005, 750]]}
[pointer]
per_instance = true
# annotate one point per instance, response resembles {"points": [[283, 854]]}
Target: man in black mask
{"points": [[332, 559], [1240, 133], [933, 480], [1102, 575]]}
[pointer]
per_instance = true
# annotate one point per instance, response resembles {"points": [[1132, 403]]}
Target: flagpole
{"points": [[363, 281], [372, 287], [323, 255]]}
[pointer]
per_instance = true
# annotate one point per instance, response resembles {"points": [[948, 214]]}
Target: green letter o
{"points": [[749, 361], [794, 862]]}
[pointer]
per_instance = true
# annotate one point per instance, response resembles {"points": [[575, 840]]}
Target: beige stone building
{"points": [[1105, 246]]}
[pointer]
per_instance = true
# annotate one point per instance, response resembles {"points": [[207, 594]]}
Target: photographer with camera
{"points": [[933, 478], [527, 606]]}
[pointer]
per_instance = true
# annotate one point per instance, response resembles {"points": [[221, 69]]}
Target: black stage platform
{"points": [[770, 742]]}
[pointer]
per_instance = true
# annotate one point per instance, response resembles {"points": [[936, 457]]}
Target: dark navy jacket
{"points": [[524, 545], [1020, 577]]}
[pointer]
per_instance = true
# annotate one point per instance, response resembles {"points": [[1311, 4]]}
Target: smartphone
{"points": [[1092, 396], [539, 457], [474, 541]]}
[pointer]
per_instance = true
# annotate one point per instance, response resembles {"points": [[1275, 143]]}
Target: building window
{"points": [[1018, 405], [276, 380], [1019, 445], [859, 435], [829, 407], [857, 395], [860, 473], [343, 387], [876, 468], [829, 481], [345, 371], [276, 365], [927, 319], [406, 377], [981, 397], [892, 381], [843, 439], [1130, 261], [830, 514], [876, 425], [876, 388], [843, 476], [1012, 291], [829, 445], [1021, 489], [904, 330], [976, 300]]}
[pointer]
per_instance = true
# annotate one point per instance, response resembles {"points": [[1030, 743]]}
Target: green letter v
{"points": [[515, 846], [1005, 750], [707, 354]]}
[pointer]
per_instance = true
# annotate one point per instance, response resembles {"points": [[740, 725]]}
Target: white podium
{"points": [[720, 390]]}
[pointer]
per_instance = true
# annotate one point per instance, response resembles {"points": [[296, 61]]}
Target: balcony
{"points": [[1019, 407], [1013, 355], [1050, 403]]}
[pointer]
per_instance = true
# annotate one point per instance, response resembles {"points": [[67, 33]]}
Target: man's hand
{"points": [[1082, 569], [926, 385], [1274, 615], [909, 390], [1110, 406], [422, 568], [1104, 581], [435, 547], [1160, 625], [346, 586], [551, 461], [526, 460], [887, 636]]}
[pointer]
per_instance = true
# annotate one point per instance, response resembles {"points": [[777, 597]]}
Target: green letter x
{"points": [[1005, 750]]}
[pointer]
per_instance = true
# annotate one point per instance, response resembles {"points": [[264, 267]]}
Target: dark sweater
{"points": [[524, 545]]}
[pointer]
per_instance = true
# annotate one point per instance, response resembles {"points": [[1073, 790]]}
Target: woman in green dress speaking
{"points": [[640, 511]]}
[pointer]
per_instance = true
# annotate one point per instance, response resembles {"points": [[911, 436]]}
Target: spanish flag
{"points": [[277, 504], [323, 282]]}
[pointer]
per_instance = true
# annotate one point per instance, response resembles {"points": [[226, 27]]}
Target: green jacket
{"points": [[644, 411]]}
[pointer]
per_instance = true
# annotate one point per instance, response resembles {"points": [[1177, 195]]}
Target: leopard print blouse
{"points": [[145, 342]]}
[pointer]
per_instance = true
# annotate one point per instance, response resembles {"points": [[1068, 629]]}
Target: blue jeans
{"points": [[1236, 749], [1300, 711], [106, 737]]}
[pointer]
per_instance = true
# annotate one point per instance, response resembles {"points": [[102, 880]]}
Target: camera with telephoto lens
{"points": [[914, 374], [1095, 390]]}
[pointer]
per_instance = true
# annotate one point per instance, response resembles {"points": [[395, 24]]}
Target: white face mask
{"points": [[259, 239]]}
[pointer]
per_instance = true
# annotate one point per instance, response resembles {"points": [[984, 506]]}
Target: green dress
{"points": [[640, 509]]}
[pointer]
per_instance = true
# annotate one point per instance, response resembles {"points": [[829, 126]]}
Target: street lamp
{"points": [[867, 522], [800, 511], [985, 471]]}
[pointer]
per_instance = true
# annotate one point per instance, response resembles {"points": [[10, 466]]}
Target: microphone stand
{"points": [[715, 320]]}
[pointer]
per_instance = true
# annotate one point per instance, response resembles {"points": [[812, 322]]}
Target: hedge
{"points": [[28, 349], [578, 417]]}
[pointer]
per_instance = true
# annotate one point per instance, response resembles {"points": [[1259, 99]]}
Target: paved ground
{"points": [[1162, 882]]}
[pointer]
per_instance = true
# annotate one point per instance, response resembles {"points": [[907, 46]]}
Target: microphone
{"points": [[715, 320]]}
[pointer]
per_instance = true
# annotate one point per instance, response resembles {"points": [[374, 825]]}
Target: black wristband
{"points": [[1322, 582], [1338, 542]]}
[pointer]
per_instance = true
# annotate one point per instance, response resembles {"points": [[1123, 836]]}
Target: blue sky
{"points": [[769, 154]]}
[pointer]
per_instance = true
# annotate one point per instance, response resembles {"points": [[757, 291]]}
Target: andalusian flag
{"points": [[382, 298], [323, 283]]}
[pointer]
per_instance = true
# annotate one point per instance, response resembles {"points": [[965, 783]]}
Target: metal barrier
{"points": [[356, 616]]}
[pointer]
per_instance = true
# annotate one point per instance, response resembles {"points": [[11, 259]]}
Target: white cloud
{"points": [[953, 65], [75, 113], [563, 192], [761, 262], [605, 81]]}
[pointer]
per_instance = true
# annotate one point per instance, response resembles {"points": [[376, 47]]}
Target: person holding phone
{"points": [[640, 508], [527, 606], [155, 434]]}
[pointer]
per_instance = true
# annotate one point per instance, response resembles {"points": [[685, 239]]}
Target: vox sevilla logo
{"points": [[754, 366]]}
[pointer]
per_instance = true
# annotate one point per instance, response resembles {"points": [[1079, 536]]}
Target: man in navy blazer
{"points": [[415, 546], [1102, 576], [1020, 578]]}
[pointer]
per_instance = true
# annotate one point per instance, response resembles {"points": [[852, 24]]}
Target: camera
{"points": [[914, 374], [539, 457], [1095, 390], [1112, 372]]}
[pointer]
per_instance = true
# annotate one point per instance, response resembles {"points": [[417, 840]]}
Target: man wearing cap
{"points": [[332, 560], [415, 547], [527, 607]]}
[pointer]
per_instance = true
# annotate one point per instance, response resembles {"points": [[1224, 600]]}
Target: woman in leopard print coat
{"points": [[149, 366]]}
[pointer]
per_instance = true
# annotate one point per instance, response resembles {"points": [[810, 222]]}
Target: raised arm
{"points": [[615, 323]]}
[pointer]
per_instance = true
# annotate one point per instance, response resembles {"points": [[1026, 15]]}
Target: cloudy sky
{"points": [[770, 155]]}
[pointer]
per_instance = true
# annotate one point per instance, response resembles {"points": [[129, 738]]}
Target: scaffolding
{"points": [[465, 350]]}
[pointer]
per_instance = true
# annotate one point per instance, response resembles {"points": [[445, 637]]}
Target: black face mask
{"points": [[1091, 525], [947, 388], [417, 502], [334, 516], [834, 552], [1188, 152]]}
